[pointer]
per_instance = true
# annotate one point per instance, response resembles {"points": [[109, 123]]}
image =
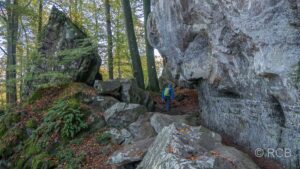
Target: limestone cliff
{"points": [[244, 57]]}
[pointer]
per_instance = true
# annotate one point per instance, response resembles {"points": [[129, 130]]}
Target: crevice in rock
{"points": [[229, 94], [278, 113]]}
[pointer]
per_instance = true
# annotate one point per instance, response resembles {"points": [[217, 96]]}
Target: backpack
{"points": [[167, 91]]}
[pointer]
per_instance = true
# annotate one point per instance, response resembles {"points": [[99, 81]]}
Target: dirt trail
{"points": [[186, 101]]}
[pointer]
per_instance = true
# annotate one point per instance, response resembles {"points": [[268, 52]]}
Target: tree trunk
{"points": [[153, 84], [12, 34], [40, 21], [134, 51], [109, 40]]}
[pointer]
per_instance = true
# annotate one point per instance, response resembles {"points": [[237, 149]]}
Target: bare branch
{"points": [[3, 51]]}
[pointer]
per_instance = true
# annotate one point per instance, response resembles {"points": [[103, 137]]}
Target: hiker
{"points": [[168, 95]]}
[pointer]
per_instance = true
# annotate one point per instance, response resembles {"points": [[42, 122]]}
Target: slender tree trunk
{"points": [[40, 21], [153, 84], [134, 51], [23, 61], [96, 21], [109, 40], [12, 34]]}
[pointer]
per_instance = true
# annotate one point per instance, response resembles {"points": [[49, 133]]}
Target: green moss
{"points": [[10, 118], [31, 123], [2, 129], [68, 157], [10, 140], [2, 148], [103, 138], [35, 96], [77, 141], [42, 161]]}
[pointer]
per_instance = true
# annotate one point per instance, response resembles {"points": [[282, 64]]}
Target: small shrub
{"points": [[2, 129], [77, 141], [68, 157], [31, 123], [35, 96], [103, 138], [11, 118], [69, 116], [42, 161]]}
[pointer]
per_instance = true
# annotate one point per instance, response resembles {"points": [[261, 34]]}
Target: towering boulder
{"points": [[66, 53], [244, 56]]}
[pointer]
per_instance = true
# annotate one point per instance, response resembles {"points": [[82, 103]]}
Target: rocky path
{"points": [[123, 133]]}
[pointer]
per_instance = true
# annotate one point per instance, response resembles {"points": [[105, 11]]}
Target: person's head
{"points": [[169, 85]]}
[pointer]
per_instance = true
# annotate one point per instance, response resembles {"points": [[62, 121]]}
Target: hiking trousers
{"points": [[168, 102]]}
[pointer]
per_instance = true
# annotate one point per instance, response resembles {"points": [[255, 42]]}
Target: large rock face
{"points": [[186, 147], [66, 54], [244, 56]]}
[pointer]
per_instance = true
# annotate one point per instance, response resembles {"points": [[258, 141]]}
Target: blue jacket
{"points": [[171, 93]]}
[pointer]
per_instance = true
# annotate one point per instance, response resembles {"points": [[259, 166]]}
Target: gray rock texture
{"points": [[131, 93], [102, 103], [126, 90], [120, 115], [186, 147], [122, 136], [66, 54], [131, 154], [244, 57], [158, 121], [142, 129], [110, 87]]}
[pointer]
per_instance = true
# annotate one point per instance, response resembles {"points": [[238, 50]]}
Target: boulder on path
{"points": [[159, 121], [102, 103], [120, 115], [183, 146], [122, 136], [110, 87], [66, 54], [125, 90], [131, 155], [142, 129]]}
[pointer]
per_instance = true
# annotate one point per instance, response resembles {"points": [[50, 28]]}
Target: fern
{"points": [[68, 117]]}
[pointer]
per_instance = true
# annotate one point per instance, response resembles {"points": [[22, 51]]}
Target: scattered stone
{"points": [[181, 146], [125, 90], [131, 93], [159, 121], [142, 129], [122, 136], [110, 87], [131, 154], [120, 115], [102, 103], [96, 122]]}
